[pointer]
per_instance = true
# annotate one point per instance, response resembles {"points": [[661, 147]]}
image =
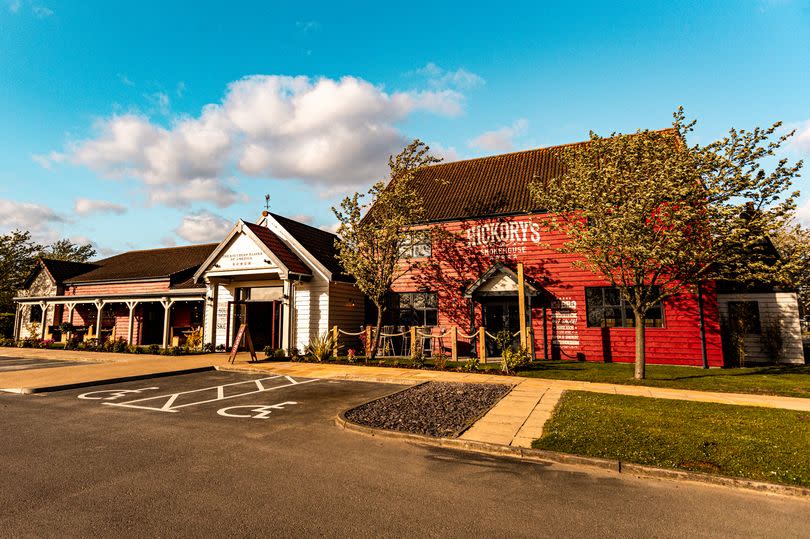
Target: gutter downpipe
{"points": [[702, 327]]}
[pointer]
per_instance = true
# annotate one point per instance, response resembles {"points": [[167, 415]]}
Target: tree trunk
{"points": [[641, 349], [375, 338]]}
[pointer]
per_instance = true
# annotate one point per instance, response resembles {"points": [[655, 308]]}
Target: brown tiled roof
{"points": [[494, 185], [280, 249], [147, 264], [60, 269], [319, 243]]}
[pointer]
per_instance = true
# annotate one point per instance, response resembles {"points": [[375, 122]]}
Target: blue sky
{"points": [[158, 123]]}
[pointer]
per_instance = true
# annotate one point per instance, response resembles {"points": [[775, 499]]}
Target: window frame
{"points": [[418, 244], [419, 314], [626, 319]]}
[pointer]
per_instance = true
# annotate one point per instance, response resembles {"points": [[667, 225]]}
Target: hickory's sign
{"points": [[503, 238]]}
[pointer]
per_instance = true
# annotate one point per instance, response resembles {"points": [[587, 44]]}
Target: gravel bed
{"points": [[434, 409]]}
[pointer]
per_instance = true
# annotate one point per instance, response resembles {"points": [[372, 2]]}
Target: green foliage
{"points": [[440, 360], [472, 364], [793, 244], [655, 216], [742, 441], [153, 349], [208, 348], [194, 339], [18, 256], [269, 351], [321, 348], [503, 339], [512, 360], [373, 234]]}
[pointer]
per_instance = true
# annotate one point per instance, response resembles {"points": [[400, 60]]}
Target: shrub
{"points": [[351, 355], [292, 353], [269, 351], [7, 342], [119, 345], [440, 360], [220, 348], [504, 340], [208, 348], [511, 360], [132, 349], [91, 345], [471, 365], [153, 349], [320, 348], [279, 353], [194, 339]]}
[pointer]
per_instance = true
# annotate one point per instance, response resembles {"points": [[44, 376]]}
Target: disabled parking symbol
{"points": [[255, 411]]}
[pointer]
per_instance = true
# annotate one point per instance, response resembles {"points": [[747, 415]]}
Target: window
{"points": [[744, 316], [417, 245], [35, 314], [196, 314], [606, 308], [415, 309]]}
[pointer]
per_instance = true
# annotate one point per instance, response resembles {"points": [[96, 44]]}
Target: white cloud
{"points": [[333, 134], [42, 11], [14, 6], [301, 218], [333, 228], [444, 153], [196, 190], [86, 206], [307, 26], [180, 89], [202, 227], [800, 141], [441, 78], [501, 140], [126, 81], [160, 101], [35, 218]]}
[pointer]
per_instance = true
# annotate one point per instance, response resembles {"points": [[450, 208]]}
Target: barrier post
{"points": [[335, 335], [413, 341], [454, 343], [482, 344], [368, 342]]}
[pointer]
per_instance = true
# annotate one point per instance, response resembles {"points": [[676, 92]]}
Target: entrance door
{"points": [[264, 322], [152, 323], [501, 313]]}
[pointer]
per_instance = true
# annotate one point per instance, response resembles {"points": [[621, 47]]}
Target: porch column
{"points": [[167, 306], [131, 305], [44, 306], [212, 323], [17, 321], [99, 310], [71, 307], [286, 315]]}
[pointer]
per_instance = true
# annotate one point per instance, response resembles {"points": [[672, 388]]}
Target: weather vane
{"points": [[267, 202]]}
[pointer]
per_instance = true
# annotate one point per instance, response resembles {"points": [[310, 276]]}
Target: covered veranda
{"points": [[99, 313]]}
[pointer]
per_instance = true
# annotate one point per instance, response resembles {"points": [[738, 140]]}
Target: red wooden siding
{"points": [[456, 263], [117, 288]]}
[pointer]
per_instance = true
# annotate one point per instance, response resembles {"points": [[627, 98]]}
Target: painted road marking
{"points": [[166, 403], [261, 411], [111, 394]]}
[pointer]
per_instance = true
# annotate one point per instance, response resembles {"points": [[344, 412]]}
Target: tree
{"points": [[65, 249], [372, 235], [18, 255], [793, 244], [656, 217]]}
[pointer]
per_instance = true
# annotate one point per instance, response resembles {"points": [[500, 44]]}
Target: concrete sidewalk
{"points": [[519, 417], [112, 370], [516, 420]]}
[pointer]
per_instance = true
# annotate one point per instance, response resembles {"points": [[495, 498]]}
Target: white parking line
{"points": [[167, 402]]}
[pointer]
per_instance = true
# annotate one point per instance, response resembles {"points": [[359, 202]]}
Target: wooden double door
{"points": [[264, 320]]}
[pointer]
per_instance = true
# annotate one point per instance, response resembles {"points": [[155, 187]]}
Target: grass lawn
{"points": [[787, 380], [741, 441]]}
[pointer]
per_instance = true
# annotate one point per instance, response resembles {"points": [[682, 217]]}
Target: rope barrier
{"points": [[394, 334], [350, 334]]}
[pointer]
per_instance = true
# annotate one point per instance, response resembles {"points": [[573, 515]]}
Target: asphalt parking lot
{"points": [[219, 453], [8, 364]]}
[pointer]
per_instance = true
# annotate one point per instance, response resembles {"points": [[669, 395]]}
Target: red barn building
{"points": [[466, 275]]}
